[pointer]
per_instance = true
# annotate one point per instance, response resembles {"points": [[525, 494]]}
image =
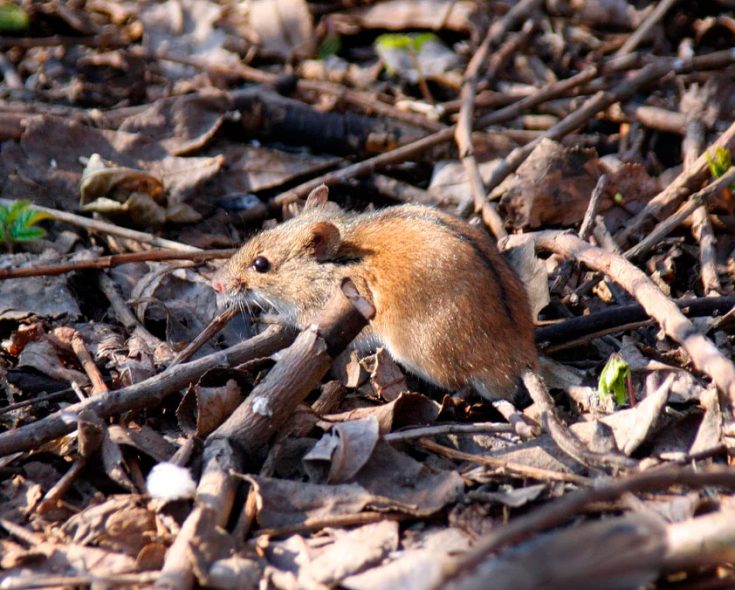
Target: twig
{"points": [[110, 228], [589, 216], [125, 316], [85, 359], [299, 369], [212, 328], [599, 102], [567, 441], [704, 354], [463, 128], [696, 201], [505, 467], [440, 429], [619, 316], [113, 260], [336, 520], [561, 510], [685, 184], [146, 394], [645, 27], [701, 226]]}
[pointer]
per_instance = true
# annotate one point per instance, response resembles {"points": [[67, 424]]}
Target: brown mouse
{"points": [[448, 306]]}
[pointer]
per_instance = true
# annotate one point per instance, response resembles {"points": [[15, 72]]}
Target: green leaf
{"points": [[330, 46], [618, 198], [12, 18], [613, 379], [403, 42], [26, 234], [15, 210], [720, 163], [421, 39], [390, 41]]}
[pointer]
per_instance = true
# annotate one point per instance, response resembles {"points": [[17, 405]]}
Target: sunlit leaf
{"points": [[12, 18], [613, 379]]}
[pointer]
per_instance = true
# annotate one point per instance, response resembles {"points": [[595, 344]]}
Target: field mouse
{"points": [[448, 307]]}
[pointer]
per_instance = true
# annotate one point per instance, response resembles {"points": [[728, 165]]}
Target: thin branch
{"points": [[96, 225]]}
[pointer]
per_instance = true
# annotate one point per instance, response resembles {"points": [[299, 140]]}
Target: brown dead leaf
{"points": [[35, 297], [386, 377], [203, 409], [408, 409], [419, 565], [348, 552], [186, 29], [65, 142], [181, 124], [42, 356], [144, 438], [345, 449], [552, 187], [282, 28], [532, 272]]}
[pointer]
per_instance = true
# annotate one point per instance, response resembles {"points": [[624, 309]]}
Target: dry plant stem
{"points": [[146, 394], [297, 372], [685, 184], [704, 354], [440, 429], [570, 505], [673, 221], [701, 226], [102, 262], [123, 314], [588, 221], [299, 369], [598, 102], [506, 468], [463, 129], [85, 359], [105, 227], [36, 581], [522, 425], [564, 438], [215, 496], [212, 328], [645, 27], [339, 520], [399, 190]]}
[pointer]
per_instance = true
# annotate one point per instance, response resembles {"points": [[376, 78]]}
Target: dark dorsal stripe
{"points": [[467, 239]]}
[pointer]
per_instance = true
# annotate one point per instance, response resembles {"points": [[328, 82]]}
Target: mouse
{"points": [[448, 307]]}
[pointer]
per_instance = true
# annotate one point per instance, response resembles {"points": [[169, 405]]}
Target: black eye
{"points": [[261, 264]]}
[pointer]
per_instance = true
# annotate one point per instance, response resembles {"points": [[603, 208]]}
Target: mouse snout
{"points": [[221, 282]]}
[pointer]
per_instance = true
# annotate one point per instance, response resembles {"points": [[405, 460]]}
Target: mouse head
{"points": [[290, 268]]}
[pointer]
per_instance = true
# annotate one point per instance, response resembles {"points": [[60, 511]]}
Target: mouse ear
{"points": [[317, 198], [322, 240]]}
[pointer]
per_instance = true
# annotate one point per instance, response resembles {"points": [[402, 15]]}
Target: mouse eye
{"points": [[261, 264]]}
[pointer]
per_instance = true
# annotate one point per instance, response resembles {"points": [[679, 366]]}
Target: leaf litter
{"points": [[196, 123]]}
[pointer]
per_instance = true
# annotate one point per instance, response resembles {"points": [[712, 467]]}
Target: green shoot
{"points": [[614, 379], [18, 223], [720, 163]]}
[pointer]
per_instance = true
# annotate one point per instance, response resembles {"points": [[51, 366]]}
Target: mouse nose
{"points": [[219, 282]]}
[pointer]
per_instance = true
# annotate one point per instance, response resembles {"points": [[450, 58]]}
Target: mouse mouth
{"points": [[251, 302]]}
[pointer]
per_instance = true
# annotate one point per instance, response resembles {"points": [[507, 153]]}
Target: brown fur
{"points": [[448, 307]]}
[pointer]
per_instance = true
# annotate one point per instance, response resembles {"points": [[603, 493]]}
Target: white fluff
{"points": [[167, 481]]}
